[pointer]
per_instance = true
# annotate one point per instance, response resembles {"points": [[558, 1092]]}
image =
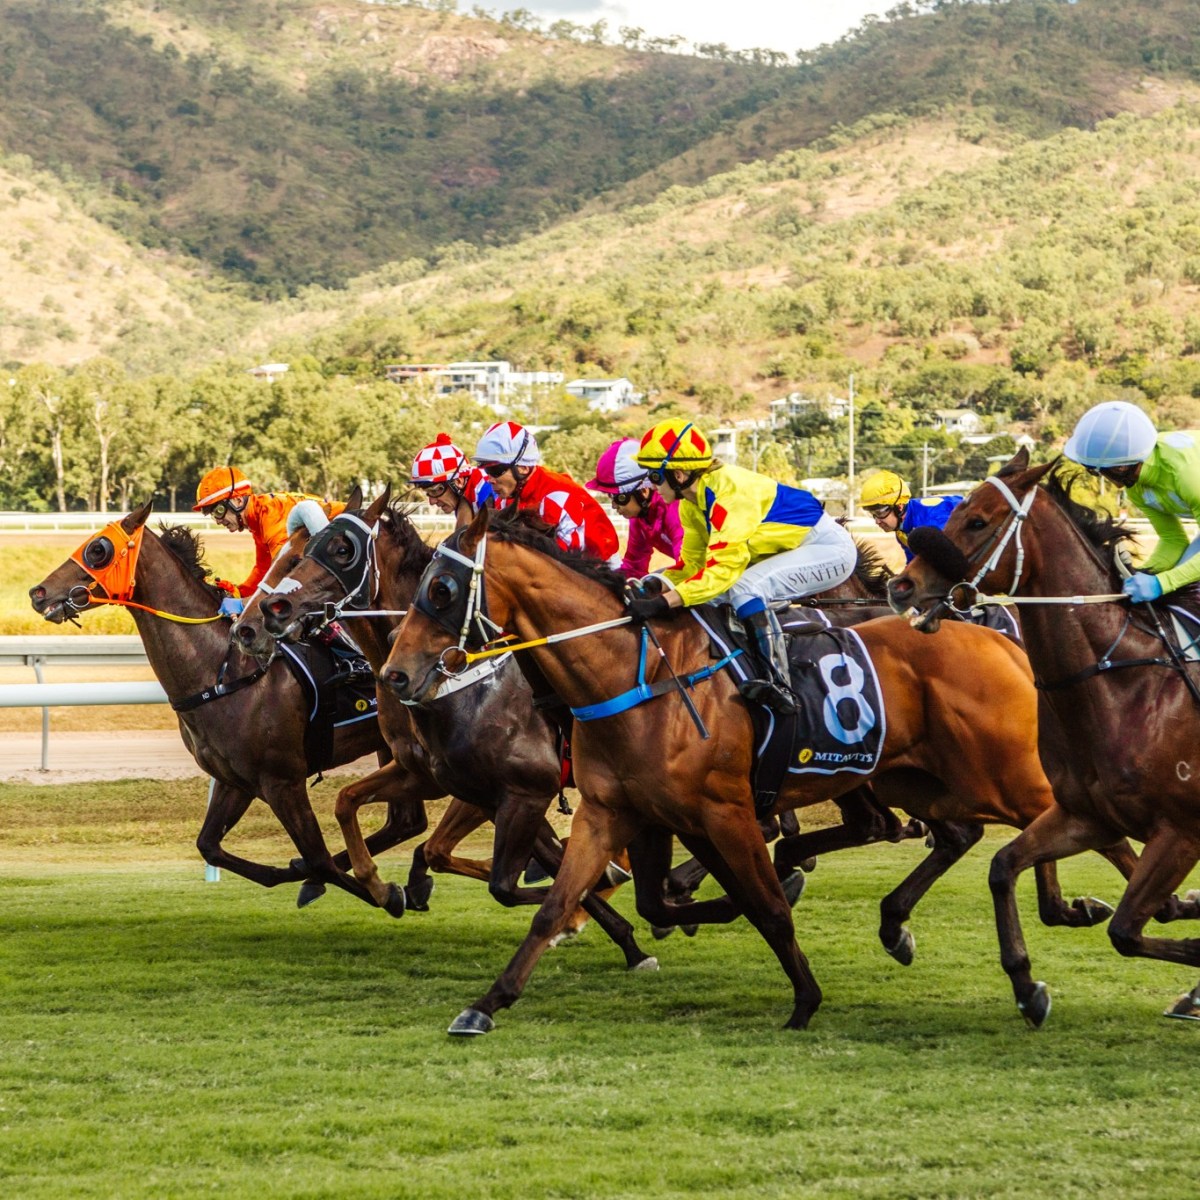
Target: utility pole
{"points": [[850, 476], [924, 468]]}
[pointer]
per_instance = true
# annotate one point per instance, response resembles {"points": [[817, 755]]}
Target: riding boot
{"points": [[774, 689]]}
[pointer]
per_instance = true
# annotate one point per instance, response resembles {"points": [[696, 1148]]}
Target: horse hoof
{"points": [[395, 904], [614, 875], [567, 935], [905, 948], [793, 887], [808, 864], [690, 930], [308, 893], [1186, 1008], [417, 894], [1095, 912], [662, 931], [1036, 1008], [649, 963], [470, 1023]]}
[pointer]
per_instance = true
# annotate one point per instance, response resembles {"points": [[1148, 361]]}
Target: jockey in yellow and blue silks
{"points": [[747, 540], [1161, 476], [889, 503]]}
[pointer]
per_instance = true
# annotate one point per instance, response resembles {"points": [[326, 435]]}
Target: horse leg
{"points": [[289, 802], [458, 821], [650, 854], [740, 863], [597, 833], [1052, 835], [226, 808], [951, 840], [391, 784]]}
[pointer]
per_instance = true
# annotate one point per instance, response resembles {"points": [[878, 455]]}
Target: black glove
{"points": [[642, 608]]}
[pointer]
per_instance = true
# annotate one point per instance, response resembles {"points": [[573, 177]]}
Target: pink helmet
{"points": [[618, 469], [509, 443], [439, 462]]}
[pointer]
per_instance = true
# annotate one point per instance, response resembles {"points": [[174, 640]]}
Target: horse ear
{"points": [[356, 499], [1015, 465], [377, 505], [137, 518], [471, 535]]}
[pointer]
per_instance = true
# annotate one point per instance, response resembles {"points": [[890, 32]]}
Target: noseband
{"points": [[964, 596]]}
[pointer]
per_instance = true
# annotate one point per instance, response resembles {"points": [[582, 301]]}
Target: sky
{"points": [[787, 25]]}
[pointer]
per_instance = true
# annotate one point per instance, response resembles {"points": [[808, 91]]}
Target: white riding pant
{"points": [[823, 560]]}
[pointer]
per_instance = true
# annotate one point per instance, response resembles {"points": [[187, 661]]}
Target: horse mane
{"points": [[187, 548], [516, 531], [415, 552], [871, 570], [1104, 532]]}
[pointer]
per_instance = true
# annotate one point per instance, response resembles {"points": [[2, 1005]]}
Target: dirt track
{"points": [[79, 757]]}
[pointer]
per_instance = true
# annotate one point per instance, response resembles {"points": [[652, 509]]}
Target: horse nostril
{"points": [[901, 587], [244, 634], [394, 678], [280, 608], [37, 595]]}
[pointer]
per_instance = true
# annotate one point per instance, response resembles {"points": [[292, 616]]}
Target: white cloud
{"points": [[800, 24]]}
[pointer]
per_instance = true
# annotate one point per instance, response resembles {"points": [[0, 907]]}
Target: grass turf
{"points": [[164, 1037]]}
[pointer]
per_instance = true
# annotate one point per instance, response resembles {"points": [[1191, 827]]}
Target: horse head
{"points": [[330, 564], [68, 589], [445, 619], [983, 548]]}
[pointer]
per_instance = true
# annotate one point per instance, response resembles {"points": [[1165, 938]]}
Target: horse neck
{"points": [[184, 657], [536, 597], [1062, 562]]}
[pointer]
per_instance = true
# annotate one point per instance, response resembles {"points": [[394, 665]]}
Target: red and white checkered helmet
{"points": [[439, 462], [509, 443]]}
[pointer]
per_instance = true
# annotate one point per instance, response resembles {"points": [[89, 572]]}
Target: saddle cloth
{"points": [[339, 690], [840, 720]]}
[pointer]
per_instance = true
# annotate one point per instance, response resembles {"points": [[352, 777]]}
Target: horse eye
{"points": [[443, 592], [976, 523], [98, 553]]}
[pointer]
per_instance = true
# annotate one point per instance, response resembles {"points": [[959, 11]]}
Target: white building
{"points": [[796, 404], [269, 371], [492, 383], [604, 395], [962, 421]]}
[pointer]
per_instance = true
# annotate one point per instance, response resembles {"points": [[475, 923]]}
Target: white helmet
{"points": [[1113, 434], [508, 443]]}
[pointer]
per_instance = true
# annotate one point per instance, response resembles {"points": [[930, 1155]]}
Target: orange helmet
{"points": [[219, 484], [677, 444]]}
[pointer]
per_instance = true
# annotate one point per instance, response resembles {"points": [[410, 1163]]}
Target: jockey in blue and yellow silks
{"points": [[746, 539], [888, 500], [1161, 477]]}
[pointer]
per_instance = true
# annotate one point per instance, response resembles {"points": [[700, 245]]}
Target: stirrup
{"points": [[770, 694]]}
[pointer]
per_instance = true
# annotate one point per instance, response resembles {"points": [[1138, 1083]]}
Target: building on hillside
{"points": [[493, 383], [605, 395], [269, 371], [724, 444], [963, 421], [796, 404]]}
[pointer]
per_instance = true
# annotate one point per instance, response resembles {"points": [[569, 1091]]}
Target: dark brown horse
{"points": [[251, 740], [1118, 710], [486, 743], [958, 743]]}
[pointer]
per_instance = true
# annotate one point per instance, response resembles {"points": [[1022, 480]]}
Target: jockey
{"points": [[508, 454], [747, 540], [1161, 476], [225, 494], [653, 523], [889, 503], [442, 472]]}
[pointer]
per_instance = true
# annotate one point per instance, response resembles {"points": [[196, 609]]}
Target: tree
{"points": [[43, 388]]}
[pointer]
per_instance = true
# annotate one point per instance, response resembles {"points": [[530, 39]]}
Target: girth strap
{"points": [[218, 690], [1098, 668]]}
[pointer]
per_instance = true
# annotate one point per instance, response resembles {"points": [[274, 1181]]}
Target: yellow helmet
{"points": [[676, 443], [219, 484], [884, 487]]}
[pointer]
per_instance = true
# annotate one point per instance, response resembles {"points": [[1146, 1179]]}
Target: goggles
{"points": [[878, 511], [657, 475], [434, 490], [495, 470], [1122, 476], [217, 511]]}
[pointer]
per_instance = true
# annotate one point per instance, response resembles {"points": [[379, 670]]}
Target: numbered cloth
{"points": [[842, 722]]}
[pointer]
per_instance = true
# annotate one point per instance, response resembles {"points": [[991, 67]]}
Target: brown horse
{"points": [[250, 740], [958, 742], [486, 743], [1115, 703]]}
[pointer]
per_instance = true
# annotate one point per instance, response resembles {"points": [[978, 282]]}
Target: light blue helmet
{"points": [[1112, 434]]}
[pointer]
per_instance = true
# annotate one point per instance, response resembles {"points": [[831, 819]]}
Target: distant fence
{"points": [[426, 518]]}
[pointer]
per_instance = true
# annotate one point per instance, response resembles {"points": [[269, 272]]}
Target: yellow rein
{"points": [[475, 656], [156, 611]]}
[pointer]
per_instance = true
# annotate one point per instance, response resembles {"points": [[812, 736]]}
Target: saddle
{"points": [[839, 723], [338, 687]]}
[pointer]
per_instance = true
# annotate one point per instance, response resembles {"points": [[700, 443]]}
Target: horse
{"points": [[1102, 670], [246, 733], [958, 742], [486, 744]]}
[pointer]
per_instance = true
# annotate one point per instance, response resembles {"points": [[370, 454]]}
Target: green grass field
{"points": [[165, 1037]]}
